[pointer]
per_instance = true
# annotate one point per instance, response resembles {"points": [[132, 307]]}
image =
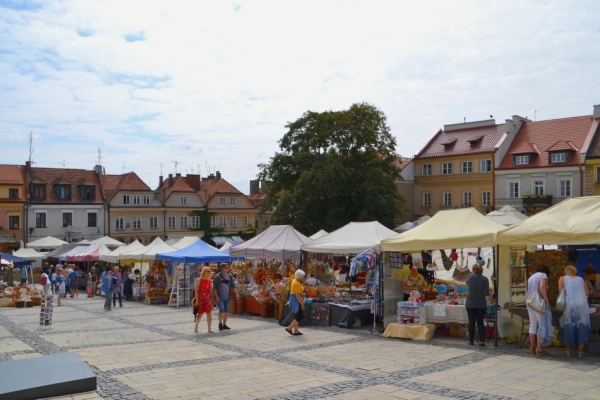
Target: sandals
{"points": [[300, 334], [289, 331]]}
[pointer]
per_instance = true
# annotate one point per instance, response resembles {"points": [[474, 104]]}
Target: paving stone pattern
{"points": [[151, 352]]}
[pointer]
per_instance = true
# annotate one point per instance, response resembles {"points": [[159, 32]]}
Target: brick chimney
{"points": [[160, 181], [27, 167], [218, 175], [597, 111], [193, 180], [170, 180], [178, 175]]}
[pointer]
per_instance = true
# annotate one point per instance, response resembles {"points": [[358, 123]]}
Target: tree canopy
{"points": [[334, 167]]}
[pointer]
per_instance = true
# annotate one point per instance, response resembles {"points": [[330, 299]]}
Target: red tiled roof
{"points": [[65, 176], [112, 184], [524, 148], [11, 174], [562, 145], [180, 185], [546, 134], [593, 150], [457, 142], [257, 197]]}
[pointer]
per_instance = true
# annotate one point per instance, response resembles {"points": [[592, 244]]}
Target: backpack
{"points": [[44, 280]]}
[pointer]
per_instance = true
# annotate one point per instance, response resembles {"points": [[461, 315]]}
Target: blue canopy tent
{"points": [[17, 262], [198, 252]]}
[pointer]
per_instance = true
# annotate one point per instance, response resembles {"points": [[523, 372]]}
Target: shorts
{"points": [[535, 318], [299, 316], [224, 305]]}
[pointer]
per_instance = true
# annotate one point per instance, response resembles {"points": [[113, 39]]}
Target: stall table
{"points": [[414, 332], [457, 314], [347, 314]]}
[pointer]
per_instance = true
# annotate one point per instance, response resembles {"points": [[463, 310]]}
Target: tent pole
{"points": [[496, 257]]}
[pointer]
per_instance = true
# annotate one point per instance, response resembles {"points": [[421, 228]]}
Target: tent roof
{"points": [[424, 218], [448, 229], [352, 238], [47, 242], [108, 241], [90, 253], [28, 253], [84, 241], [226, 246], [572, 221], [502, 219], [278, 242], [74, 251], [404, 227], [509, 210], [198, 252], [14, 259], [148, 252], [221, 240], [115, 255], [62, 249], [319, 234], [185, 242]]}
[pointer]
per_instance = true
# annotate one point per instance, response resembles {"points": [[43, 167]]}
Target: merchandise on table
{"points": [[411, 313]]}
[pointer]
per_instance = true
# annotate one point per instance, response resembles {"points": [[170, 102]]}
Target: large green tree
{"points": [[334, 167]]}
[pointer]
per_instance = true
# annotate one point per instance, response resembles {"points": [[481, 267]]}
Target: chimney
{"points": [[194, 181], [254, 187], [27, 167], [98, 169], [170, 179], [218, 175], [263, 187], [597, 111], [160, 181], [178, 175]]}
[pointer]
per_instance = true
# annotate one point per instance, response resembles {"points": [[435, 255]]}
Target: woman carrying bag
{"points": [[537, 301], [575, 328]]}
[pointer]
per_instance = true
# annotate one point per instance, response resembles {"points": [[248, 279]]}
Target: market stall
{"points": [[115, 258], [451, 229], [48, 242], [34, 257], [54, 256], [108, 242]]}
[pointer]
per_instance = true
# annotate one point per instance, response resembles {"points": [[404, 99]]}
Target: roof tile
{"points": [[463, 141], [11, 174], [65, 176]]}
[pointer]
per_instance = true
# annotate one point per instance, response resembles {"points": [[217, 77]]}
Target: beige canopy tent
{"points": [[352, 238], [108, 241], [48, 242], [115, 255], [404, 227], [277, 242], [29, 254], [319, 234], [509, 210], [185, 242], [147, 253], [503, 219]]}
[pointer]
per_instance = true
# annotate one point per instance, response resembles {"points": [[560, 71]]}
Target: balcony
{"points": [[529, 204]]}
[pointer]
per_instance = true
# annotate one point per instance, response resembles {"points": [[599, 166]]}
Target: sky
{"points": [[212, 84]]}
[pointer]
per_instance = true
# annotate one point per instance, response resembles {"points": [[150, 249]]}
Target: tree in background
{"points": [[334, 167]]}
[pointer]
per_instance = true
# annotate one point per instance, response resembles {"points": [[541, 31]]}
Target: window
{"points": [[40, 220], [446, 168], [38, 191], [558, 157], [233, 221], [513, 190], [564, 187], [486, 166], [213, 222], [63, 192], [184, 200], [92, 220], [467, 167], [597, 174], [195, 222], [13, 193], [184, 222], [447, 199], [223, 222], [87, 192], [146, 200], [467, 198], [171, 222], [521, 160], [538, 188], [67, 219], [119, 223], [232, 202], [13, 222], [223, 201], [426, 169], [244, 220], [125, 199], [137, 221], [136, 199], [426, 199], [485, 198], [153, 222]]}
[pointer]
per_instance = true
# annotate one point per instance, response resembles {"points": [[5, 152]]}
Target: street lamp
{"points": [[69, 232]]}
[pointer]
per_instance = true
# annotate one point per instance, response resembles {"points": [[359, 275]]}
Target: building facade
{"points": [[592, 159], [12, 201], [406, 188]]}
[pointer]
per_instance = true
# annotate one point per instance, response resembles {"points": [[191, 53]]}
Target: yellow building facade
{"points": [[12, 201]]}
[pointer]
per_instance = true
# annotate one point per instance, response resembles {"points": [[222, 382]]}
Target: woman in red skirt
{"points": [[203, 298]]}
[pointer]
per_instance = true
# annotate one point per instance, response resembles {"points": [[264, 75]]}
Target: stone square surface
{"points": [[10, 344], [113, 336]]}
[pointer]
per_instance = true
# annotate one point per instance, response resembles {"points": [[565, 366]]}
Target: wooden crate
{"points": [[153, 300]]}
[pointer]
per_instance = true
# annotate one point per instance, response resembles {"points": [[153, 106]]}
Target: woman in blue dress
{"points": [[575, 326]]}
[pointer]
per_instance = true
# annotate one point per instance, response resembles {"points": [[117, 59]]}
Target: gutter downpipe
{"points": [[580, 179], [26, 209], [493, 196]]}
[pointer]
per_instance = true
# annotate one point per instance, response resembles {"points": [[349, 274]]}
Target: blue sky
{"points": [[212, 84]]}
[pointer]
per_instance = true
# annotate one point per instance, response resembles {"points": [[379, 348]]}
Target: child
{"points": [[89, 285]]}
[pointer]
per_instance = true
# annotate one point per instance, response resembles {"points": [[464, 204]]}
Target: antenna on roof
{"points": [[31, 149], [99, 156], [176, 163], [63, 163], [199, 169], [160, 169], [123, 162], [535, 114], [464, 119]]}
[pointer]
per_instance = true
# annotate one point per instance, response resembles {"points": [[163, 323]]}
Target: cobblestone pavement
{"points": [[151, 352]]}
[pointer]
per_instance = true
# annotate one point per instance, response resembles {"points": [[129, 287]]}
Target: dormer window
{"points": [[63, 192], [558, 157], [87, 192], [522, 160], [38, 191]]}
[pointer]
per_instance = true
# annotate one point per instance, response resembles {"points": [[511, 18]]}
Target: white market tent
{"points": [[108, 241], [447, 229], [503, 219], [74, 251], [84, 241], [509, 210], [570, 222], [352, 238], [48, 242], [148, 252], [278, 242], [90, 253], [115, 255], [319, 234], [225, 246], [404, 227], [184, 242], [424, 218], [29, 254]]}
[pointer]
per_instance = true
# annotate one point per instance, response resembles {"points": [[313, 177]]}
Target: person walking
{"points": [[118, 287], [107, 288], [45, 282], [535, 281], [296, 303], [74, 278], [476, 305], [575, 328], [60, 284], [128, 284], [223, 288], [203, 298], [52, 275], [23, 275], [94, 278]]}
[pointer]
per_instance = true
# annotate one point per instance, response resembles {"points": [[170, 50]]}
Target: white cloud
{"points": [[220, 80]]}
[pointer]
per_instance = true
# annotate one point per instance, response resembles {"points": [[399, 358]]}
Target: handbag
{"points": [[117, 290], [536, 302], [561, 301]]}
